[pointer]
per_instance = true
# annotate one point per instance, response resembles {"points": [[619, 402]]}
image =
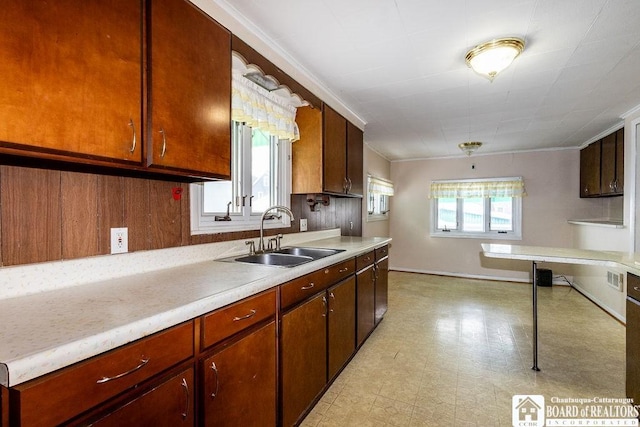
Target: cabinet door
{"points": [[590, 170], [608, 165], [633, 350], [355, 145], [366, 303], [341, 324], [72, 78], [619, 182], [240, 382], [382, 288], [334, 151], [303, 357], [189, 125], [168, 404]]}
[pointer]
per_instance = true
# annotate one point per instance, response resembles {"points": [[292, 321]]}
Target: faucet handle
{"points": [[252, 246], [278, 239]]}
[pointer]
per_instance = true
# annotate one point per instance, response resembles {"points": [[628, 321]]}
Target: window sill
{"points": [[373, 218], [492, 236]]}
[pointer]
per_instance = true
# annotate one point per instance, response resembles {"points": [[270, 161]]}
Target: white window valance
{"points": [[484, 188], [262, 109], [380, 186]]}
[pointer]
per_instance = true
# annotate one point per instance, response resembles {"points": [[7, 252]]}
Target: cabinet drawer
{"points": [[633, 286], [337, 272], [365, 260], [303, 287], [56, 397], [382, 252], [227, 321]]}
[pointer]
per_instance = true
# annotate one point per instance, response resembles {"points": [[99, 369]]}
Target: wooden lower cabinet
{"points": [[382, 288], [366, 303], [239, 381], [169, 404], [341, 325], [303, 357]]}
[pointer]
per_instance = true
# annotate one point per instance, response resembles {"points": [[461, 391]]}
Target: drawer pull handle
{"points": [[185, 413], [343, 270], [309, 286], [367, 259], [130, 371], [133, 143], [635, 288], [215, 369], [248, 316], [164, 144]]}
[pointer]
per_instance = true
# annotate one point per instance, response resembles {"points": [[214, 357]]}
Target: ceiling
{"points": [[399, 66]]}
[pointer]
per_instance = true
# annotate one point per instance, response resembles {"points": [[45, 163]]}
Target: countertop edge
{"points": [[26, 367]]}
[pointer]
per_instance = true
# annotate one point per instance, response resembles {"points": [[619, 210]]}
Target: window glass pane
{"points": [[501, 214], [447, 213], [473, 214], [261, 171], [216, 196]]}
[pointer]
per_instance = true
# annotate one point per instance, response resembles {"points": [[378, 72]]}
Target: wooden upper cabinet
{"points": [[619, 181], [334, 151], [355, 146], [608, 165], [71, 81], [590, 170], [602, 167], [328, 157], [189, 101]]}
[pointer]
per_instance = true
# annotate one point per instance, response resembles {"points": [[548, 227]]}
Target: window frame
{"points": [[487, 233], [244, 219]]}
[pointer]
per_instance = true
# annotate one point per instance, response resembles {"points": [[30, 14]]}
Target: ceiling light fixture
{"points": [[490, 58], [469, 147]]}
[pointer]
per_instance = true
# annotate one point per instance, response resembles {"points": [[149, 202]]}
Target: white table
{"points": [[627, 261]]}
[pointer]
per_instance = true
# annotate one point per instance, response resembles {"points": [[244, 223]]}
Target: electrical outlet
{"points": [[303, 224], [119, 240]]}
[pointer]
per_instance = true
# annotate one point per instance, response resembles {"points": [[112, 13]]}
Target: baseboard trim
{"points": [[558, 282]]}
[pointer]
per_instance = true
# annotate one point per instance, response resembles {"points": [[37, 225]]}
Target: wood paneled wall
{"points": [[50, 215]]}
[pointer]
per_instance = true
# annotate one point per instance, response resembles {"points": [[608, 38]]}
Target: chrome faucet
{"points": [[284, 209]]}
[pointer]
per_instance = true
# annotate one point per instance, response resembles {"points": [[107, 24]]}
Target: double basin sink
{"points": [[286, 257]]}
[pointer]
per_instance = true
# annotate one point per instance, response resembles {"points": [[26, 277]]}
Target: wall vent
{"points": [[615, 280]]}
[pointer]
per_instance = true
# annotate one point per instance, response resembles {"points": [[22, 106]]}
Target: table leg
{"points": [[535, 317]]}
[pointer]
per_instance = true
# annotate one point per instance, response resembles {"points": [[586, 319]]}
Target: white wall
{"points": [[376, 165], [592, 281], [552, 184]]}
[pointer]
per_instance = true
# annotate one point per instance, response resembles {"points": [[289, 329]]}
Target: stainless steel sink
{"points": [[285, 257], [315, 253], [274, 259]]}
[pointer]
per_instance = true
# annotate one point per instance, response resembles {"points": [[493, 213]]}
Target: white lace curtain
{"points": [[380, 186], [262, 109], [495, 187]]}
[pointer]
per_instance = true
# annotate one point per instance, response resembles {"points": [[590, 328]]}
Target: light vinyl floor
{"points": [[453, 352]]}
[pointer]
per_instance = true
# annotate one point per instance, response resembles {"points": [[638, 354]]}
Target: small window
{"points": [[260, 177], [379, 192], [477, 208]]}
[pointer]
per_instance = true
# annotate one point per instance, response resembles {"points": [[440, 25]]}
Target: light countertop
{"points": [[614, 259], [45, 331]]}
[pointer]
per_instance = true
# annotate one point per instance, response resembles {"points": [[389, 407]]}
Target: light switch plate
{"points": [[119, 240], [303, 224]]}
